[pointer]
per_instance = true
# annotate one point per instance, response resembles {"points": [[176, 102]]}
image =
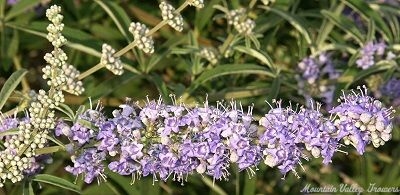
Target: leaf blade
{"points": [[228, 69], [57, 181], [10, 85]]}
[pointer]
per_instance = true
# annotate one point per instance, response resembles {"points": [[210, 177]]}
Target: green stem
{"points": [[183, 6], [91, 71], [157, 27], [237, 182], [131, 69], [226, 44], [252, 3], [132, 45]]}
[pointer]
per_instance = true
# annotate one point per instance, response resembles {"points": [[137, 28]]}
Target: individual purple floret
{"points": [[90, 164], [361, 119], [62, 128], [81, 134]]}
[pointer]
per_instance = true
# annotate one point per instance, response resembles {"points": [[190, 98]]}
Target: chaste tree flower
{"points": [[288, 134], [316, 73], [361, 119], [169, 14], [240, 21], [370, 53], [141, 39]]}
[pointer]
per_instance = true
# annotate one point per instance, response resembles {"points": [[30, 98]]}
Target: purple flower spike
{"points": [[368, 54], [362, 119], [89, 163]]}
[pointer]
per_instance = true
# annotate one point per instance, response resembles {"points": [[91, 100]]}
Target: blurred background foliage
{"points": [[252, 69]]}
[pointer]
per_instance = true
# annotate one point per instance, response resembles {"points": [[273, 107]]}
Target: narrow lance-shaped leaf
{"points": [[229, 69], [10, 85], [118, 15], [295, 21], [369, 14], [57, 181], [20, 7], [345, 24], [264, 58]]}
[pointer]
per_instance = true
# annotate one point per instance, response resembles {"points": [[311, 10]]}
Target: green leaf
{"points": [[82, 46], [213, 186], [10, 85], [263, 57], [80, 111], [118, 15], [241, 92], [371, 31], [161, 86], [12, 47], [369, 14], [228, 69], [295, 21], [379, 67], [56, 181], [48, 150], [20, 7], [27, 188], [56, 141], [148, 186], [204, 16], [87, 124], [124, 183], [275, 88], [66, 110], [345, 24], [13, 131], [327, 26], [250, 186]]}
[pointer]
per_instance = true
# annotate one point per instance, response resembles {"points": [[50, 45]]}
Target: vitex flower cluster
{"points": [[240, 21], [174, 141], [19, 157], [210, 54], [316, 72], [371, 53], [169, 14], [361, 119]]}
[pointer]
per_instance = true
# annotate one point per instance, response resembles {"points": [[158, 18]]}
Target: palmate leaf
{"points": [[10, 85], [56, 181]]}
